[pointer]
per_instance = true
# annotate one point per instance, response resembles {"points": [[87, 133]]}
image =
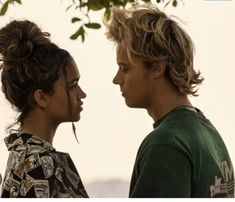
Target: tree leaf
{"points": [[75, 19], [93, 25], [94, 5], [18, 1], [107, 14], [69, 7], [167, 4], [174, 3], [79, 32], [4, 8]]}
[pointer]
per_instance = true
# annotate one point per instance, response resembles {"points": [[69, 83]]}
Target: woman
{"points": [[40, 80]]}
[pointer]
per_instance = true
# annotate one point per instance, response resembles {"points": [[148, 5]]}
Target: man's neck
{"points": [[165, 104]]}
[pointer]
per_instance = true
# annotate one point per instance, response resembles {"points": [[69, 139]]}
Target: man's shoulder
{"points": [[182, 127], [181, 123], [172, 126]]}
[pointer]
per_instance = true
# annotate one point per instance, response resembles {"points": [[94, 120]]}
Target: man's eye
{"points": [[123, 68]]}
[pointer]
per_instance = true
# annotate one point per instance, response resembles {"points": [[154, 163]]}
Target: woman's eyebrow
{"points": [[72, 81]]}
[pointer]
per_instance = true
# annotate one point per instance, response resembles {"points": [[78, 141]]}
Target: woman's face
{"points": [[59, 108]]}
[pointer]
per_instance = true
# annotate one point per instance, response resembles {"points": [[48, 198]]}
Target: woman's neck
{"points": [[39, 126]]}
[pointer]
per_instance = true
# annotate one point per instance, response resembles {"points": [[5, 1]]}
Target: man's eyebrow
{"points": [[121, 63]]}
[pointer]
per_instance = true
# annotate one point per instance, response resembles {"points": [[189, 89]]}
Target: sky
{"points": [[109, 132]]}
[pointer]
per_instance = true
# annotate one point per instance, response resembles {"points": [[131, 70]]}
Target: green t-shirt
{"points": [[183, 157]]}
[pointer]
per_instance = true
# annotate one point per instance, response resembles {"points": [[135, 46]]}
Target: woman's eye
{"points": [[73, 85]]}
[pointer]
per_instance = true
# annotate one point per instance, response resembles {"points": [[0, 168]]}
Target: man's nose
{"points": [[117, 79]]}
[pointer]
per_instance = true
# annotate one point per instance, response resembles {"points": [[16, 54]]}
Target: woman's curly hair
{"points": [[30, 61]]}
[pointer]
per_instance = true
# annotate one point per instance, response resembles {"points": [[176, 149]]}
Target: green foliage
{"points": [[95, 5], [4, 8], [80, 32], [174, 3], [85, 6], [18, 1], [93, 25], [5, 5], [75, 19]]}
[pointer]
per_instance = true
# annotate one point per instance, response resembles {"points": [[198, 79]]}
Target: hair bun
{"points": [[18, 38]]}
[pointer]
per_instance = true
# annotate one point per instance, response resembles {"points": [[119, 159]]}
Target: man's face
{"points": [[59, 106], [133, 79]]}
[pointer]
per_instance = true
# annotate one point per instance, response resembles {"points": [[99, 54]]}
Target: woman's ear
{"points": [[158, 69], [41, 98]]}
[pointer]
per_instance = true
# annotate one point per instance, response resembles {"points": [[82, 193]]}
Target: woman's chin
{"points": [[76, 118]]}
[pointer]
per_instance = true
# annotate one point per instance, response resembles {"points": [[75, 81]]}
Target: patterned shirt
{"points": [[36, 170]]}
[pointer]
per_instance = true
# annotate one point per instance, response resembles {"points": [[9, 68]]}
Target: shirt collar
{"points": [[183, 109], [17, 141]]}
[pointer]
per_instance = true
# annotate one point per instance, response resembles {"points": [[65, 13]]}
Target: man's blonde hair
{"points": [[149, 33]]}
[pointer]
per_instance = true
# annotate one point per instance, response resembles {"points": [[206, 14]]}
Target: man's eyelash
{"points": [[123, 68]]}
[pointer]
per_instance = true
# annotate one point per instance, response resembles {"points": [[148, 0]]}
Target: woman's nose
{"points": [[82, 94]]}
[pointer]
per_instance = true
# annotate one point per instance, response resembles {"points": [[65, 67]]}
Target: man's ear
{"points": [[41, 98], [158, 69]]}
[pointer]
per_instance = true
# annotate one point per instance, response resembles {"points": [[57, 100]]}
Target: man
{"points": [[184, 156]]}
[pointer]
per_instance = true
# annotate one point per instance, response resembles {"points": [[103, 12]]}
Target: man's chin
{"points": [[131, 105]]}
